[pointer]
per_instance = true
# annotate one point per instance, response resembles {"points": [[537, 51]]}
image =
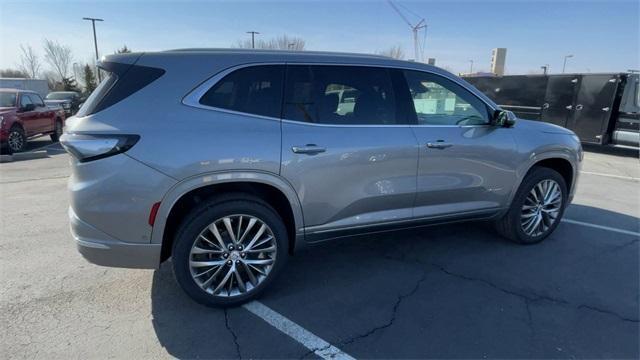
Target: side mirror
{"points": [[504, 118], [28, 107]]}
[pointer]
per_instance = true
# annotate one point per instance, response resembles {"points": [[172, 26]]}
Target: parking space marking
{"points": [[611, 175], [602, 227], [312, 342]]}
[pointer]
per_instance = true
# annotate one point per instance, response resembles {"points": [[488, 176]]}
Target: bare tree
{"points": [[284, 42], [394, 52], [29, 62], [59, 57]]}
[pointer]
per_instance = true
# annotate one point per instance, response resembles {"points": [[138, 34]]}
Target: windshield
{"points": [[7, 99], [60, 96]]}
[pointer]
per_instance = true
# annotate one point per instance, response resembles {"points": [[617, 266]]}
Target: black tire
{"points": [[204, 215], [19, 142], [510, 226], [57, 131]]}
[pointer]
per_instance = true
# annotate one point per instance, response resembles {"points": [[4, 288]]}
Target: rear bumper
{"points": [[101, 249]]}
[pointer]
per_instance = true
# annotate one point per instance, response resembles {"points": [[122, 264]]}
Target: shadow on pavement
{"points": [[447, 291], [610, 150]]}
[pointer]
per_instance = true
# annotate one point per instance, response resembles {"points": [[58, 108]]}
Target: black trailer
{"points": [[601, 109]]}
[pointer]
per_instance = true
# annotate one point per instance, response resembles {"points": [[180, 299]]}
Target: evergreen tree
{"points": [[89, 79]]}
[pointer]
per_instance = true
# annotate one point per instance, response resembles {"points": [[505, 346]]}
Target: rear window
{"points": [[7, 99], [122, 81], [254, 90]]}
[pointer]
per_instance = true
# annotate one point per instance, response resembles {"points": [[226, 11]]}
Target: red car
{"points": [[24, 115]]}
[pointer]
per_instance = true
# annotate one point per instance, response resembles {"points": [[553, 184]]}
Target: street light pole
{"points": [[95, 42], [253, 38], [471, 67], [564, 65]]}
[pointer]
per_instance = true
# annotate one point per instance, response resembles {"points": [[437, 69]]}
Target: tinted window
{"points": [[7, 99], [121, 81], [439, 101], [254, 90], [25, 100], [37, 100], [340, 95]]}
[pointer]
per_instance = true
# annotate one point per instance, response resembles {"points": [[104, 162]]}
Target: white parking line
{"points": [[611, 175], [312, 342], [621, 231]]}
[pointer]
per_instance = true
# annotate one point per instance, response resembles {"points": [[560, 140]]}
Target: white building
{"points": [[498, 58]]}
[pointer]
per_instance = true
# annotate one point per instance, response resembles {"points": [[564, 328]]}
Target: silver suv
{"points": [[229, 161]]}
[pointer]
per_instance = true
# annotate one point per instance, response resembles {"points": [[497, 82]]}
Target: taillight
{"points": [[88, 147]]}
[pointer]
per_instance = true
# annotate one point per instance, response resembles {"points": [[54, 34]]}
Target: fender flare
{"points": [[536, 157], [207, 179]]}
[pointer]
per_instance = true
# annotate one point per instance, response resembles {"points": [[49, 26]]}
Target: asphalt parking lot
{"points": [[455, 291]]}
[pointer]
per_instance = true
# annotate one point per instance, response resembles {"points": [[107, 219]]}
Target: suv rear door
{"points": [[346, 148]]}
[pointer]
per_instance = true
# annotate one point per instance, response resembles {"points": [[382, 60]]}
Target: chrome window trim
{"points": [[192, 99]]}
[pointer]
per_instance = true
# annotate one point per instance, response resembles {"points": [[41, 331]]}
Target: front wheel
{"points": [[17, 140], [537, 207], [229, 249]]}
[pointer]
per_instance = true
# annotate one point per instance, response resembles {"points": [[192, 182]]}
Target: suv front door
{"points": [[45, 114], [28, 116], [346, 148], [467, 166]]}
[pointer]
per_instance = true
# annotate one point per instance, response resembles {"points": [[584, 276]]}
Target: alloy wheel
{"points": [[15, 141], [232, 255], [541, 208]]}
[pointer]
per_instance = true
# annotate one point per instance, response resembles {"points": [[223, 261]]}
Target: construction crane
{"points": [[414, 28]]}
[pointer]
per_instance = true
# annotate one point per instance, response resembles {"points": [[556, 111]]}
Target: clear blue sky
{"points": [[603, 35]]}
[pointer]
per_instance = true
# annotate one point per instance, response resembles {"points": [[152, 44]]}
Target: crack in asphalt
{"points": [[394, 313], [534, 297], [312, 351], [233, 334]]}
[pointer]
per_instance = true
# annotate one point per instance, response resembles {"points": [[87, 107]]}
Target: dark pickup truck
{"points": [[602, 109], [24, 115]]}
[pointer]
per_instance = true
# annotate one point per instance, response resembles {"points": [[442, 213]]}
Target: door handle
{"points": [[438, 145], [569, 107], [309, 149], [605, 108]]}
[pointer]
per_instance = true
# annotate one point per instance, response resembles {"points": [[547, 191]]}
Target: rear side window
{"points": [[122, 81], [254, 90], [343, 95]]}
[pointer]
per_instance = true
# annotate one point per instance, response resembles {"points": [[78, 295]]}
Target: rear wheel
{"points": [[57, 131], [229, 249], [536, 209]]}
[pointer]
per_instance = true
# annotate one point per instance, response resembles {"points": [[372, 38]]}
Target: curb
{"points": [[6, 158], [29, 155]]}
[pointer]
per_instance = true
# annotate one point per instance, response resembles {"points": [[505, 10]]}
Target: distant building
{"points": [[498, 58], [431, 61]]}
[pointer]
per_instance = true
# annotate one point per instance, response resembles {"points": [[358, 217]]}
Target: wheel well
{"points": [[17, 125], [562, 166], [271, 195]]}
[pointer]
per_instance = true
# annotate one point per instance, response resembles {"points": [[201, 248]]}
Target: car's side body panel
{"points": [[366, 175], [215, 178]]}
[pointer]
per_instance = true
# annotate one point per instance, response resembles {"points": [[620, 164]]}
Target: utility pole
{"points": [[253, 38], [471, 67], [564, 65], [95, 43]]}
